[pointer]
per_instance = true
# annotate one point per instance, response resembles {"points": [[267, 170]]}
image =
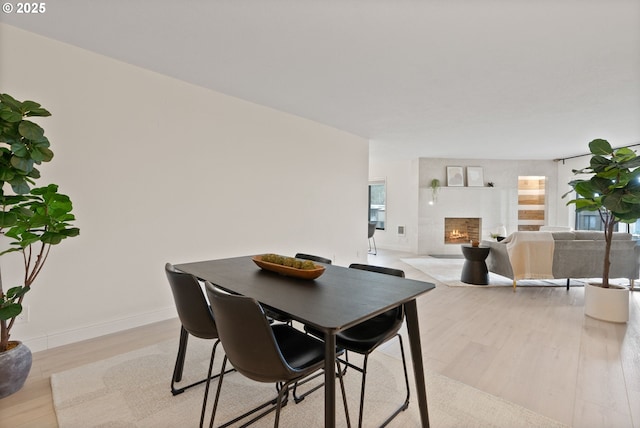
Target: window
{"points": [[377, 203], [590, 220]]}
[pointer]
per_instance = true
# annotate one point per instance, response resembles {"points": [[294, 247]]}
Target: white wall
{"points": [[401, 179], [160, 170]]}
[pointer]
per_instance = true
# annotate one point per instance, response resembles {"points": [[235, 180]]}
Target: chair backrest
{"points": [[398, 311], [247, 337], [313, 258], [193, 310], [372, 228], [378, 269]]}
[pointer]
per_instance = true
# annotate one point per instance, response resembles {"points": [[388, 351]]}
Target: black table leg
{"points": [[330, 380], [413, 328]]}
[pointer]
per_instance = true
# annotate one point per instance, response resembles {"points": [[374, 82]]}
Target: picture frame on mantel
{"points": [[455, 176], [475, 176]]}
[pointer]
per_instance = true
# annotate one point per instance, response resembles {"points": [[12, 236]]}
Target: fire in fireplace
{"points": [[461, 230]]}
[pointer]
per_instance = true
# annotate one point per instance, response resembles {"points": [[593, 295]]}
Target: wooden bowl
{"points": [[288, 270]]}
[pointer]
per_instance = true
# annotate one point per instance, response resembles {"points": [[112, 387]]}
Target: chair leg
{"points": [[206, 389], [344, 393], [180, 359], [275, 404], [403, 406], [279, 404], [364, 379], [215, 401], [177, 370], [298, 398]]}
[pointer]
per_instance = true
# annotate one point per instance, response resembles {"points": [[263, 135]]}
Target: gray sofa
{"points": [[578, 254]]}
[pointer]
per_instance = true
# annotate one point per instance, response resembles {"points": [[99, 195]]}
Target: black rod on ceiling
{"points": [[589, 154]]}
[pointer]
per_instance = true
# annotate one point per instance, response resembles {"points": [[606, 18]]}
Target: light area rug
{"points": [[132, 390], [448, 271]]}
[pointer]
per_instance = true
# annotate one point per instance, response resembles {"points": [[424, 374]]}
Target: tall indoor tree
{"points": [[32, 219]]}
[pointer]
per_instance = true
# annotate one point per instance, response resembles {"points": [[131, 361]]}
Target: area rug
{"points": [[132, 390], [448, 271]]}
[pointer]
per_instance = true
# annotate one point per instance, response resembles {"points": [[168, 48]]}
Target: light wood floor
{"points": [[533, 347]]}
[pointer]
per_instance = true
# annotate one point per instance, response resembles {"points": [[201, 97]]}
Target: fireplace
{"points": [[461, 230]]}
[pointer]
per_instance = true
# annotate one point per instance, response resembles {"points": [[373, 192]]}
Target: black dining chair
{"points": [[372, 231], [365, 337], [197, 319], [279, 316], [313, 258], [262, 351]]}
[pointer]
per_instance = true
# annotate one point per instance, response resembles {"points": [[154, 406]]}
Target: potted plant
{"points": [[613, 190], [31, 221], [435, 186]]}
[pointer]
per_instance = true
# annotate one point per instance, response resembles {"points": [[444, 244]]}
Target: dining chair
{"points": [[196, 319], [365, 337], [279, 316], [264, 352], [372, 231], [313, 258]]}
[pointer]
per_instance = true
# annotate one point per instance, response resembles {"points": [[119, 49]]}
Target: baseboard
{"points": [[56, 339]]}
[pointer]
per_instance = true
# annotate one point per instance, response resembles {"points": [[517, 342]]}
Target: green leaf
{"points": [[600, 147], [52, 238], [22, 164], [6, 174], [8, 219], [17, 292], [20, 149], [585, 188], [585, 204], [11, 250], [38, 112], [41, 154], [30, 130], [28, 105], [51, 188], [9, 311], [599, 163], [10, 116], [34, 173], [21, 187], [71, 232], [631, 163], [10, 101]]}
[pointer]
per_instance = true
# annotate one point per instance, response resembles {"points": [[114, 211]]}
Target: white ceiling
{"points": [[436, 78]]}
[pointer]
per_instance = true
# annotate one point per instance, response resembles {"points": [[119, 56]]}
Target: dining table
{"points": [[336, 300]]}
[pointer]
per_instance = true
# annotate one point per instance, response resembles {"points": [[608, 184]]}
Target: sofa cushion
{"points": [[597, 235], [564, 236]]}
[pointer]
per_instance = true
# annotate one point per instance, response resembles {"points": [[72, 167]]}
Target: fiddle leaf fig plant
{"points": [[613, 190], [32, 219]]}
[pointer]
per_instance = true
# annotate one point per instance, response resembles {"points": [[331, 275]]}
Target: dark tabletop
{"points": [[338, 299]]}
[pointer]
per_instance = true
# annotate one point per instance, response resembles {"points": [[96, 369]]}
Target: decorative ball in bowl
{"points": [[289, 266]]}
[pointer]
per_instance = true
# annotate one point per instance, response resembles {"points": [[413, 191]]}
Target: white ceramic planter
{"points": [[606, 304]]}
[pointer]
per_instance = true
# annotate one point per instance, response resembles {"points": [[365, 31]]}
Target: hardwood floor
{"points": [[533, 347]]}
